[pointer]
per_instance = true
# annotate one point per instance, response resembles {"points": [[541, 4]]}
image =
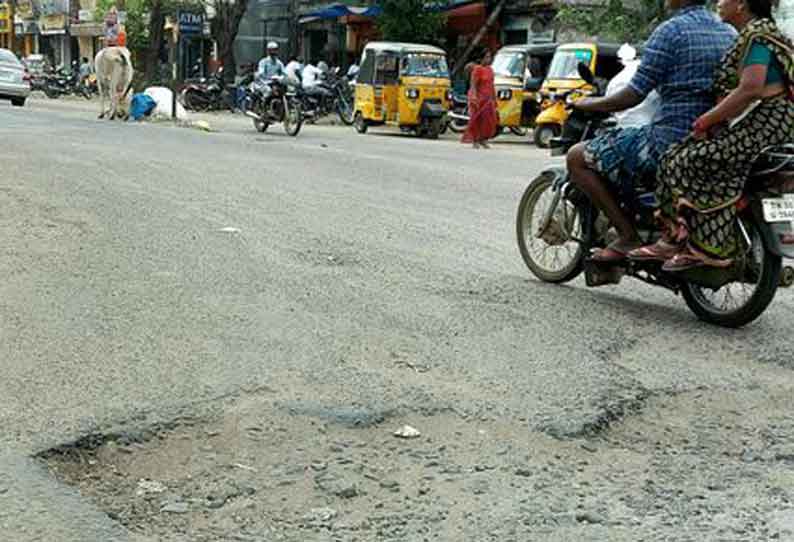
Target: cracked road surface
{"points": [[153, 274]]}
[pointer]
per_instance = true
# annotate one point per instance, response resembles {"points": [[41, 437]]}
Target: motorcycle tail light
{"points": [[742, 204]]}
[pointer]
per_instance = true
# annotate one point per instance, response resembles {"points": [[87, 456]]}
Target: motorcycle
{"points": [[207, 94], [275, 101], [332, 96], [557, 226], [60, 82], [458, 118]]}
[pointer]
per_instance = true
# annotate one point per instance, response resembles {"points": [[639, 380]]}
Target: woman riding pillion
{"points": [[702, 178]]}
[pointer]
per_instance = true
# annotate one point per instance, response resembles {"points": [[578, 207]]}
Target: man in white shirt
{"points": [[312, 76], [641, 115], [270, 66], [294, 70]]}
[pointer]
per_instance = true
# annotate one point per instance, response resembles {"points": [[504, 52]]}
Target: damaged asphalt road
{"points": [[163, 287]]}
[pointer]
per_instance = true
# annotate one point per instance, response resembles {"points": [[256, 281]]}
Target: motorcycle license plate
{"points": [[779, 209]]}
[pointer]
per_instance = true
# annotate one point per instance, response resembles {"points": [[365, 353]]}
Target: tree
{"points": [[224, 27], [614, 19], [145, 25], [410, 20]]}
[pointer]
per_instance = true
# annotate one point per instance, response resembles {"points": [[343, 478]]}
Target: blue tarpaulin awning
{"points": [[335, 11]]}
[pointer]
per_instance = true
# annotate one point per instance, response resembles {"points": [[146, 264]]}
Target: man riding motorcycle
{"points": [[679, 62], [269, 67]]}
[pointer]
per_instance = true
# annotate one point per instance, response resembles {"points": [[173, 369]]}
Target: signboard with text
{"points": [[190, 24]]}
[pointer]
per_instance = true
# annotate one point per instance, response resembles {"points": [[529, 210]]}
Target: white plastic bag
{"points": [[163, 97]]}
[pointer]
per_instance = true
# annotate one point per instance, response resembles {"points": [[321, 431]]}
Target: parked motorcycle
{"points": [[558, 225], [207, 94], [333, 95], [275, 101], [61, 82]]}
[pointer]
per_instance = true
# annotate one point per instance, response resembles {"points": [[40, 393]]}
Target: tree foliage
{"points": [[411, 21], [616, 20], [224, 27]]}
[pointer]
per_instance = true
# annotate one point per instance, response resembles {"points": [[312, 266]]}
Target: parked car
{"points": [[14, 84]]}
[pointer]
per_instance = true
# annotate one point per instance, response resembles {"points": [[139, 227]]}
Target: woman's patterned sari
{"points": [[703, 179]]}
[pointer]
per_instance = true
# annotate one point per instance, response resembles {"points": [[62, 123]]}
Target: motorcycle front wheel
{"points": [[740, 302], [293, 117], [344, 108], [554, 254]]}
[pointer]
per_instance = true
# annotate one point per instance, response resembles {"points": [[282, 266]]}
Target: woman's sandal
{"points": [[660, 251], [689, 259]]}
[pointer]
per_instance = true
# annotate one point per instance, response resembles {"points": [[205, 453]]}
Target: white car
{"points": [[14, 84]]}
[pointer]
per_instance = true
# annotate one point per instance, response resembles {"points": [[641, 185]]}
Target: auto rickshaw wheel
{"points": [[544, 133], [431, 128], [360, 123]]}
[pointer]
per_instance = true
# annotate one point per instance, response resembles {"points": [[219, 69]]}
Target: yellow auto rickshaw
{"points": [[563, 76], [519, 72], [405, 85]]}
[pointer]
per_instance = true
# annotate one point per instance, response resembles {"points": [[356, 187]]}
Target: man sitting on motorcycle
{"points": [[270, 66], [313, 78], [679, 62]]}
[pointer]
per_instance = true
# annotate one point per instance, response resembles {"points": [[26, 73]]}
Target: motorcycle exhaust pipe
{"points": [[458, 116], [787, 277], [252, 115]]}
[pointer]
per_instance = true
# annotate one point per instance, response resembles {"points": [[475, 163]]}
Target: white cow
{"points": [[114, 79]]}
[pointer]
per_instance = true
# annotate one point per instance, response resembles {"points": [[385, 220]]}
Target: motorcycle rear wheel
{"points": [[51, 92], [194, 101], [738, 303], [562, 260]]}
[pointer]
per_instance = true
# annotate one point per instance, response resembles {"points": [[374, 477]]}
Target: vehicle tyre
{"points": [[568, 254], [432, 128], [344, 108], [520, 131], [51, 92], [193, 100], [766, 267], [360, 123], [85, 92], [293, 117], [544, 133], [18, 102], [457, 126], [261, 125]]}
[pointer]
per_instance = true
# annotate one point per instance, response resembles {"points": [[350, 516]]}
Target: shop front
{"points": [[54, 41]]}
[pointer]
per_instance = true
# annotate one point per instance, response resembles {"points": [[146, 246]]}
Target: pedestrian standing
{"points": [[483, 115], [112, 27]]}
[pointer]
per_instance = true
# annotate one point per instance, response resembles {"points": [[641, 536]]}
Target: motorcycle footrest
{"points": [[602, 273]]}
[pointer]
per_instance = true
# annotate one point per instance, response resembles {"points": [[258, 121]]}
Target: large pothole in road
{"points": [[263, 471], [267, 471]]}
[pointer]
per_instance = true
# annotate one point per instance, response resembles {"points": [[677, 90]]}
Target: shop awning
{"points": [[335, 11], [467, 18]]}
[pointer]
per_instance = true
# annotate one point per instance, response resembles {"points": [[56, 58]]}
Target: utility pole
{"points": [[492, 18]]}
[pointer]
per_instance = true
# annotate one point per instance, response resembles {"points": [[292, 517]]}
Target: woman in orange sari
{"points": [[483, 116]]}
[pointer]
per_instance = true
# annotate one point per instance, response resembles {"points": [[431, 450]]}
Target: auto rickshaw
{"points": [[405, 85], [563, 75], [519, 71]]}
